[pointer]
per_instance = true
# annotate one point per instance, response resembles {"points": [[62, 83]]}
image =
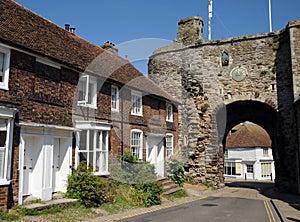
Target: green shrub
{"points": [[175, 170], [150, 193], [90, 190], [204, 107], [128, 169]]}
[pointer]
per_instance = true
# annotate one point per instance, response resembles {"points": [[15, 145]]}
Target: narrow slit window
{"points": [[225, 59]]}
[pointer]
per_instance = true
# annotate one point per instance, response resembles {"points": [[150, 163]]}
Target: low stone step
{"points": [[169, 187], [48, 204], [171, 191]]}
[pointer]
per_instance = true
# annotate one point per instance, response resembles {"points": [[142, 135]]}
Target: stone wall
{"points": [[205, 86]]}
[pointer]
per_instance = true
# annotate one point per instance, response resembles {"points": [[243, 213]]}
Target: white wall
{"points": [[251, 156]]}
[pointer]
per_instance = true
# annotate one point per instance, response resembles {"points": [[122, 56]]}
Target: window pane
{"points": [[135, 143], [104, 135], [82, 156], [82, 89], [91, 93], [83, 138], [1, 66], [114, 97], [2, 162], [91, 139], [169, 113], [2, 138]]}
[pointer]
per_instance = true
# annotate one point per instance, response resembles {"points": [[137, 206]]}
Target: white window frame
{"points": [[266, 169], [98, 147], [169, 112], [169, 149], [136, 103], [89, 80], [265, 152], [8, 116], [250, 168], [5, 71], [114, 98], [139, 152]]}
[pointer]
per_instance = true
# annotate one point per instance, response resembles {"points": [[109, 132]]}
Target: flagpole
{"points": [[209, 18], [270, 16]]}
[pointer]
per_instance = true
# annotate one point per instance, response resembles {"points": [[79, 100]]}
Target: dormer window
{"points": [[4, 67], [169, 112], [87, 91]]}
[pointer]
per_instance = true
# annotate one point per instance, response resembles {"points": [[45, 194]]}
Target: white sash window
{"points": [[87, 91], [4, 67]]}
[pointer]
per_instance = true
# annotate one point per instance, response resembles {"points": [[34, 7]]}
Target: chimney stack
{"points": [[110, 47]]}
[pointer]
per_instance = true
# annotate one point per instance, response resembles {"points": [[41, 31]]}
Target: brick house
{"points": [[64, 100]]}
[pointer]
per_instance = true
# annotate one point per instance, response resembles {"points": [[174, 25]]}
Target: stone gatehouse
{"points": [[221, 83]]}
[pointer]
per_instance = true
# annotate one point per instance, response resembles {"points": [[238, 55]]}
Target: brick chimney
{"points": [[190, 31], [110, 47]]}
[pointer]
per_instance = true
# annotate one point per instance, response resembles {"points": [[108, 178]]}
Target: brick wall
{"points": [[42, 94]]}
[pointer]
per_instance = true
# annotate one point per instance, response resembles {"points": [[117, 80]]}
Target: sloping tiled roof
{"points": [[24, 29], [248, 135]]}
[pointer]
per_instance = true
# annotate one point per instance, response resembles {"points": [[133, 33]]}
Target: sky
{"points": [[137, 27]]}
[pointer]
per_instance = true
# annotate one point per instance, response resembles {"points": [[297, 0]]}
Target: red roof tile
{"points": [[24, 29], [248, 135]]}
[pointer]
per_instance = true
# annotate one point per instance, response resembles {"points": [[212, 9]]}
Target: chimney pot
{"points": [[67, 27], [72, 30]]}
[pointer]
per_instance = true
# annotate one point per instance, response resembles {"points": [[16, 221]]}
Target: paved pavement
{"points": [[286, 205]]}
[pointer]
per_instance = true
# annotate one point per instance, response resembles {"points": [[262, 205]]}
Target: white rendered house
{"points": [[248, 153]]}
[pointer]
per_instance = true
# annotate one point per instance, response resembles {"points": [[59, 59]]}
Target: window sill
{"points": [[4, 182], [134, 114], [105, 173], [169, 121], [87, 106], [115, 110], [4, 87]]}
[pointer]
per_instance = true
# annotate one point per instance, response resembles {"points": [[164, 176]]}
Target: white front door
{"points": [[61, 164], [155, 154], [32, 167], [47, 170], [46, 166]]}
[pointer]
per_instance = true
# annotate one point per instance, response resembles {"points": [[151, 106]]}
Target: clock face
{"points": [[239, 74]]}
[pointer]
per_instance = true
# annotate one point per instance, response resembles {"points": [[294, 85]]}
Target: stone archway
{"points": [[256, 112]]}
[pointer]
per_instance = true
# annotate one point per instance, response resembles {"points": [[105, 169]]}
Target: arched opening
{"points": [[248, 153], [259, 114]]}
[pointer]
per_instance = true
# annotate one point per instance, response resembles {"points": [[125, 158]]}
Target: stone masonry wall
{"points": [[204, 85]]}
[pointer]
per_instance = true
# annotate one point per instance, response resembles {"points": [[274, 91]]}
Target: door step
{"points": [[169, 187]]}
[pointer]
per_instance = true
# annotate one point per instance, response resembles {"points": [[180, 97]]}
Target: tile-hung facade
{"points": [[64, 100]]}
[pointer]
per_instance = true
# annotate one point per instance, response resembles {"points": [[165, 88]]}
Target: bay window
{"points": [[93, 148]]}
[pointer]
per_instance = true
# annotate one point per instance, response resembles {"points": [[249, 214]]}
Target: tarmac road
{"points": [[227, 209]]}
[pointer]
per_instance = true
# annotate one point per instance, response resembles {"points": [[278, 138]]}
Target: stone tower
{"points": [[259, 82], [190, 30]]}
